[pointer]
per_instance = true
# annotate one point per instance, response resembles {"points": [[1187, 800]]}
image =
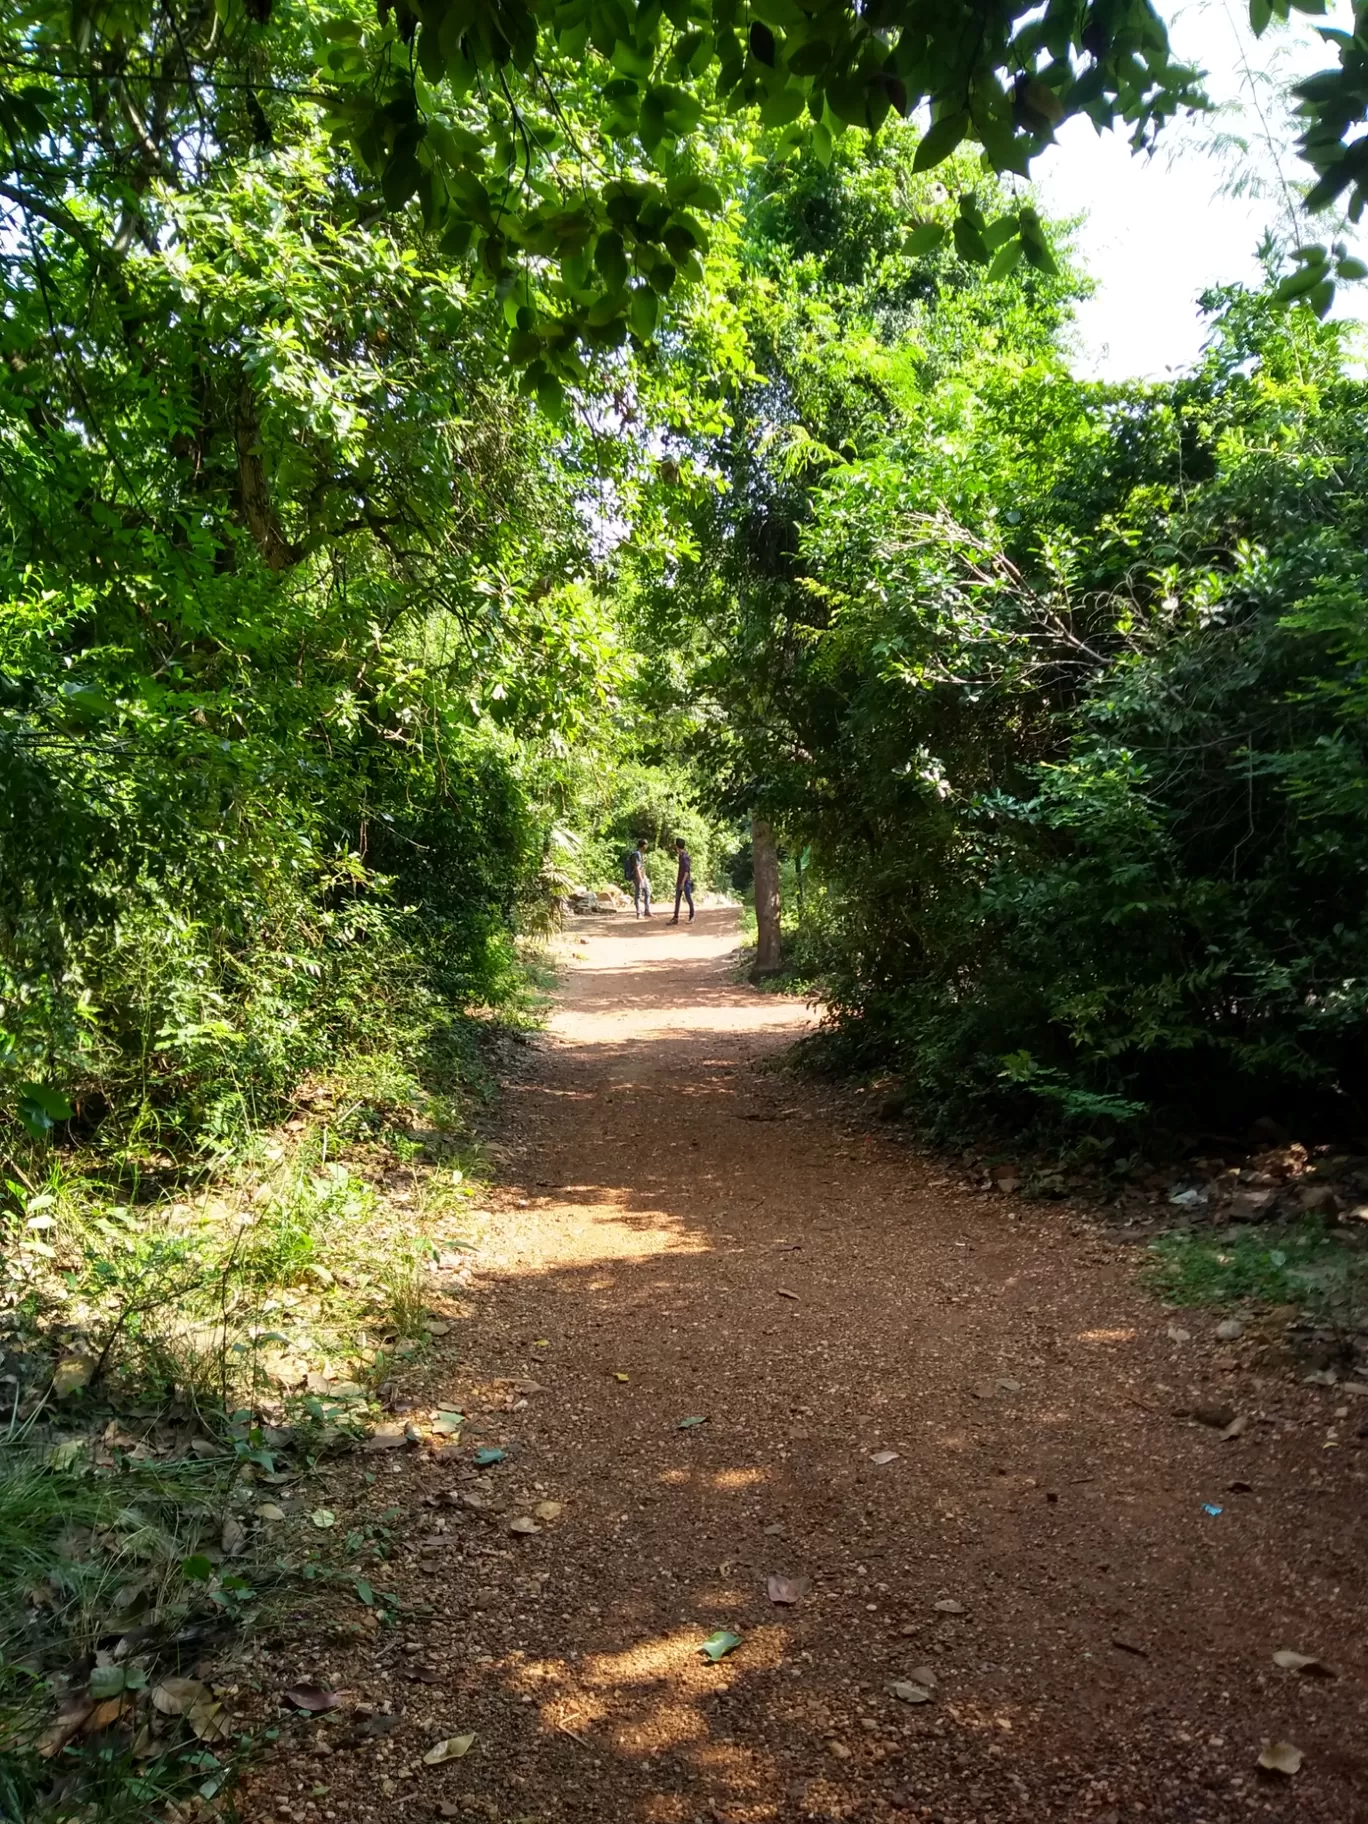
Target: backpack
{"points": [[629, 867]]}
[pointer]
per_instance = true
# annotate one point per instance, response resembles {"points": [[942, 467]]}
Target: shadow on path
{"points": [[686, 1234]]}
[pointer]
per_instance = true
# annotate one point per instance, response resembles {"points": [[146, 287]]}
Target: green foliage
{"points": [[1059, 683], [658, 802], [291, 646], [1306, 1265], [84, 1553], [564, 155]]}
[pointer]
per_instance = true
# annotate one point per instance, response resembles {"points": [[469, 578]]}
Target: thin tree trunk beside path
{"points": [[948, 1417]]}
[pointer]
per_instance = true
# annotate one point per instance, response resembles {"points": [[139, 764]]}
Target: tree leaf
{"points": [[1298, 1662], [940, 140], [71, 1375], [313, 1698], [926, 238], [178, 1696], [787, 1590], [718, 1645], [453, 1748], [40, 1108], [106, 1682]]}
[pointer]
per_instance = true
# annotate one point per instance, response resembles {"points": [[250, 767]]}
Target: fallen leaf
{"points": [[489, 1453], [106, 1682], [233, 1537], [451, 1749], [1218, 1417], [718, 1645], [268, 1511], [72, 1715], [210, 1722], [387, 1437], [787, 1590], [524, 1525], [549, 1510], [376, 1726], [908, 1693], [311, 1697], [71, 1374], [1236, 1428], [885, 1456], [948, 1607], [783, 1292], [1285, 1657], [923, 1675], [1280, 1757], [177, 1696], [688, 1424], [323, 1518], [448, 1423], [619, 1376], [436, 1326], [103, 1715], [1129, 1646]]}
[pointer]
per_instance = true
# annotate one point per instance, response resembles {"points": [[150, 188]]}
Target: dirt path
{"points": [[687, 1236]]}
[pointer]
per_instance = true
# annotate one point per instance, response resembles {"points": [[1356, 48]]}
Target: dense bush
{"points": [[1062, 684], [288, 653]]}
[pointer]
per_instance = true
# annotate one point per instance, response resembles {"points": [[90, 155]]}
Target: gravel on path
{"points": [[1016, 1585]]}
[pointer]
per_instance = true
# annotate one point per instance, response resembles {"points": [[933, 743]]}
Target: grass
{"points": [[96, 1607], [1303, 1264], [180, 1337]]}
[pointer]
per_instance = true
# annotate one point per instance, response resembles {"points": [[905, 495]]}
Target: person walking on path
{"points": [[683, 880], [640, 879]]}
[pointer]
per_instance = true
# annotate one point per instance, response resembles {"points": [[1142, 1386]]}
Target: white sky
{"points": [[1158, 231]]}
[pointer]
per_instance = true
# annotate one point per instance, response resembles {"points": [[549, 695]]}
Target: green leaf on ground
{"points": [[718, 1645]]}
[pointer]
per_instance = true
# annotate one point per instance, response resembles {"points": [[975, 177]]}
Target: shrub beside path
{"points": [[736, 1351]]}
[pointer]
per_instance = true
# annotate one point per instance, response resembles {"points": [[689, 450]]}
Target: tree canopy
{"points": [[567, 155]]}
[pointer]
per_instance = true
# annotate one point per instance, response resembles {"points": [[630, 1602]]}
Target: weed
{"points": [[175, 1332], [1302, 1264]]}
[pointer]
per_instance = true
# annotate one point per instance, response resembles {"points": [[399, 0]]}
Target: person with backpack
{"points": [[683, 880], [638, 879]]}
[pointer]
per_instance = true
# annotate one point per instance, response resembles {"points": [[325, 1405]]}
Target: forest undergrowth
{"points": [[186, 1340]]}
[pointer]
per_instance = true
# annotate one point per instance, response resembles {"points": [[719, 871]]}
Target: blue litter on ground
{"points": [[489, 1454], [1207, 1508]]}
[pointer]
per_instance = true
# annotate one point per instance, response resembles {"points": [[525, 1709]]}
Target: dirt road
{"points": [[949, 1418]]}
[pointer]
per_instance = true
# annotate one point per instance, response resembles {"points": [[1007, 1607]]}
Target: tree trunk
{"points": [[254, 495], [768, 960]]}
